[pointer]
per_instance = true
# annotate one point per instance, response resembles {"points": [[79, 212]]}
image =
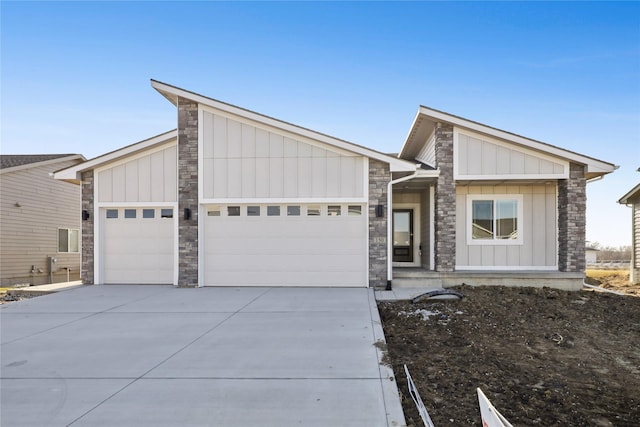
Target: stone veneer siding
{"points": [[87, 263], [572, 206], [445, 200], [187, 192], [379, 177]]}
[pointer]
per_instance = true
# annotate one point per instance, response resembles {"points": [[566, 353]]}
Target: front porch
{"points": [[413, 277]]}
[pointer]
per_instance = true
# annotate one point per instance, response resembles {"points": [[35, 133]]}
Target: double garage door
{"points": [[285, 245], [243, 245]]}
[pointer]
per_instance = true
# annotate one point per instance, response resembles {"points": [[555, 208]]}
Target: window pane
{"points": [[293, 210], [129, 213], [273, 210], [233, 210], [213, 212], [506, 219], [148, 213], [355, 210], [313, 211], [166, 213], [63, 240], [74, 237], [253, 210], [112, 213], [333, 210], [482, 220]]}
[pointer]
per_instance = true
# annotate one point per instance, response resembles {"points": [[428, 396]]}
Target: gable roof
{"points": [[172, 93], [632, 194], [427, 118], [14, 162], [72, 174]]}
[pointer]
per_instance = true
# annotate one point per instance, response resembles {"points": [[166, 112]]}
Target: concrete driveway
{"points": [[164, 356]]}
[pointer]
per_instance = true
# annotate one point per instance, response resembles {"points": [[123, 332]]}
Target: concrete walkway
{"points": [[164, 356]]}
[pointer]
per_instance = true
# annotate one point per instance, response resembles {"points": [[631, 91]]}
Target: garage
{"points": [[285, 245], [138, 245]]}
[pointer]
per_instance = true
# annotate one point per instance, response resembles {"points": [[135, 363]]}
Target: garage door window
{"points": [[334, 210], [355, 210], [293, 210], [253, 210], [129, 213], [148, 213], [112, 213], [233, 210], [313, 211], [273, 210], [166, 213]]}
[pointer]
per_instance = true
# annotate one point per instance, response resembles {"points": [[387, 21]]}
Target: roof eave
{"points": [[635, 191]]}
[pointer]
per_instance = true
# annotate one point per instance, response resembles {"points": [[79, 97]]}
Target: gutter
{"points": [[390, 225]]}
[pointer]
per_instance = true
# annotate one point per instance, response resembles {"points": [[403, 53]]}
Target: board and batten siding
{"points": [[150, 178], [243, 161], [427, 153], [539, 227], [482, 157], [29, 232]]}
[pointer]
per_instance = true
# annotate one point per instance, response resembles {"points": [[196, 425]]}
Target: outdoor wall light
{"points": [[85, 214], [379, 211], [187, 214]]}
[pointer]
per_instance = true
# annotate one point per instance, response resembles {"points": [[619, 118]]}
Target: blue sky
{"points": [[75, 75]]}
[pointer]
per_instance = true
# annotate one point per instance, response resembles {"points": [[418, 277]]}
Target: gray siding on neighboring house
{"points": [[29, 232], [538, 248]]}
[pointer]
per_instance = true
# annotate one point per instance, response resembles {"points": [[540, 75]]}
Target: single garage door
{"points": [[285, 245], [138, 245]]}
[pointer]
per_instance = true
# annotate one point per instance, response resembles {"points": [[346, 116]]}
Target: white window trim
{"points": [[494, 242], [69, 230]]}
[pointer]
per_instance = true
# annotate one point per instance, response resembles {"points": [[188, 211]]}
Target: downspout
{"points": [[390, 225]]}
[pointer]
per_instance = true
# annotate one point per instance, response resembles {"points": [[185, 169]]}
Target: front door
{"points": [[403, 235]]}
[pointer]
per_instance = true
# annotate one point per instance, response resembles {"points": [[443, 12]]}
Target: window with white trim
{"points": [[68, 240], [494, 219]]}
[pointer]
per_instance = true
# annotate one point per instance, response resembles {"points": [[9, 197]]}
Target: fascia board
{"points": [[593, 165], [395, 164], [73, 173]]}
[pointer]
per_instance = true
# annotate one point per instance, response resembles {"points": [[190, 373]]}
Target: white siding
{"points": [[428, 152], [477, 156], [243, 161], [29, 233], [539, 228], [148, 178]]}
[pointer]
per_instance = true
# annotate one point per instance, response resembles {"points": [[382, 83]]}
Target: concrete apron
{"points": [[165, 356]]}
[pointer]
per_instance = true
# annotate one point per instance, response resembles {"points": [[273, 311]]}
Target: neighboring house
{"points": [[632, 199], [39, 220], [591, 255], [233, 197]]}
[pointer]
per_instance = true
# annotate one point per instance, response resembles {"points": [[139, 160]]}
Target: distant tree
{"points": [[612, 253]]}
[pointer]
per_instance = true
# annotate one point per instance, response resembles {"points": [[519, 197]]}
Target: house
{"points": [[591, 255], [39, 220], [632, 199], [233, 197]]}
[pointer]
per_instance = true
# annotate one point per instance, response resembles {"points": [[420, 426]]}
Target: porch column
{"points": [[187, 192], [445, 200], [572, 206]]}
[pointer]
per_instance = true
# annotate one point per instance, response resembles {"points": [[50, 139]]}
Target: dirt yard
{"points": [[543, 357]]}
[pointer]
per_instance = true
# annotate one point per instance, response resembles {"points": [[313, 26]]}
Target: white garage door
{"points": [[285, 245], [138, 245]]}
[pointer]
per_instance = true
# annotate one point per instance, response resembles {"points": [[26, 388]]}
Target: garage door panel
{"points": [[285, 250], [138, 250]]}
